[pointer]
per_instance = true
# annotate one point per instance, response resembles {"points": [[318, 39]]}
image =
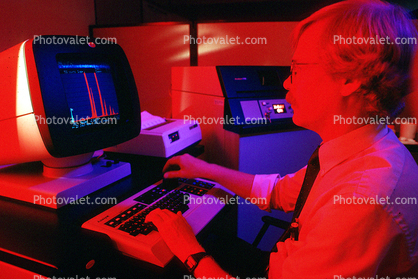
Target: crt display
{"points": [[279, 108], [89, 91]]}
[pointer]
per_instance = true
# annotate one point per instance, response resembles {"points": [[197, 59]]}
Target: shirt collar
{"points": [[335, 151]]}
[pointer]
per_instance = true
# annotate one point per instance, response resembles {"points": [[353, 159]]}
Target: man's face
{"points": [[313, 93]]}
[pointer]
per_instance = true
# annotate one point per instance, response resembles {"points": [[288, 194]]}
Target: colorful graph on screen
{"points": [[90, 93]]}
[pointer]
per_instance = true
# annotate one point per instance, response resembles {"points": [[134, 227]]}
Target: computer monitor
{"points": [[64, 97]]}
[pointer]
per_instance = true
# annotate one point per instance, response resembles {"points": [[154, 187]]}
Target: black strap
{"points": [[310, 176]]}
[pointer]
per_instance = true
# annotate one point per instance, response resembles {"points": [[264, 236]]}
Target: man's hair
{"points": [[372, 52]]}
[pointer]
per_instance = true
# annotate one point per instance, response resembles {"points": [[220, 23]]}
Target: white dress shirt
{"points": [[361, 216]]}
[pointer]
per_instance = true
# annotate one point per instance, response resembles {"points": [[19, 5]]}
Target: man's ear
{"points": [[349, 87]]}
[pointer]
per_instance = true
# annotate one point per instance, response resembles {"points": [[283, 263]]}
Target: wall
{"points": [[22, 19], [152, 50], [246, 43], [131, 12], [411, 102]]}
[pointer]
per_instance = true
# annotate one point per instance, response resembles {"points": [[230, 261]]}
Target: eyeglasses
{"points": [[293, 70]]}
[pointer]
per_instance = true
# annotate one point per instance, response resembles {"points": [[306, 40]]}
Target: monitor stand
{"points": [[56, 183]]}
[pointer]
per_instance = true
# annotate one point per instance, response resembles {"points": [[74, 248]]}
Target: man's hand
{"points": [[176, 232], [186, 166]]}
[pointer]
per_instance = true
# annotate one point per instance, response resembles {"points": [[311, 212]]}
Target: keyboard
{"points": [[199, 200]]}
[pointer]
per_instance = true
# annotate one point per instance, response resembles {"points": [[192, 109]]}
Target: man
{"points": [[353, 222]]}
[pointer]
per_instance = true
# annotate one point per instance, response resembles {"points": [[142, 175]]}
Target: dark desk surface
{"points": [[55, 237]]}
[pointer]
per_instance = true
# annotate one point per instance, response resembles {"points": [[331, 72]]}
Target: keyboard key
{"points": [[198, 183], [174, 201], [194, 190], [116, 221], [159, 191]]}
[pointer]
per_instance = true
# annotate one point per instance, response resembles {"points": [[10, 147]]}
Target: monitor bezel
{"points": [[49, 100]]}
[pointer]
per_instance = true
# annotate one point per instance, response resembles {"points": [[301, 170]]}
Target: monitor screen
{"points": [[89, 90], [92, 91]]}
